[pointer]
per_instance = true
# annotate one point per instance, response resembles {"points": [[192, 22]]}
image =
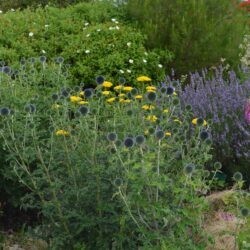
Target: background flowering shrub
{"points": [[199, 33], [110, 166], [221, 100], [90, 38]]}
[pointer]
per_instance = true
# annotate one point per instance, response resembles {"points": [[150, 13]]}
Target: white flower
{"points": [[144, 60], [12, 10], [129, 71], [129, 44], [130, 60], [116, 22], [46, 25], [43, 51], [111, 28], [98, 30], [87, 51], [1, 11], [121, 71], [145, 53], [87, 35], [160, 65], [86, 24], [113, 20], [117, 27], [31, 34]]}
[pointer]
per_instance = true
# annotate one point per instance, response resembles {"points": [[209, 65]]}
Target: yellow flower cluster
{"points": [[107, 84], [151, 89], [62, 132], [148, 107], [77, 99], [143, 79], [194, 121], [151, 118]]}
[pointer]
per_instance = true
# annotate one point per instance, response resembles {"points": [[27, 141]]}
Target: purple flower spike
{"points": [[247, 111]]}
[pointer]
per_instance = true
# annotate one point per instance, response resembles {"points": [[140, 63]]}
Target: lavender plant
{"points": [[222, 100]]}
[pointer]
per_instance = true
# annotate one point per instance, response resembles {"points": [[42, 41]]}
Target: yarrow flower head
{"points": [[143, 79], [107, 84], [62, 132]]}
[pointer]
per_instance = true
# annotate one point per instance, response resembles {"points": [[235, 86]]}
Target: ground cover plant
{"points": [[106, 163], [199, 33], [89, 36]]}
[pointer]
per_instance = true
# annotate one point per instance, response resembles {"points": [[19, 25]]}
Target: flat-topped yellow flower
{"points": [[151, 88], [151, 118], [124, 100], [106, 92], [118, 87], [165, 111], [148, 107], [62, 132], [143, 79], [75, 99], [127, 88], [168, 134], [194, 121], [138, 97], [56, 106], [83, 102], [81, 93], [121, 95], [107, 84], [111, 100], [177, 120]]}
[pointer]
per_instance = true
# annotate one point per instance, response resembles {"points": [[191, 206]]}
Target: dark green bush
{"points": [[199, 33], [22, 4], [88, 36]]}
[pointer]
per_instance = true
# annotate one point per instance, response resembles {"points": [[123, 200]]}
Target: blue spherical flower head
{"points": [[122, 80], [30, 108], [42, 59], [204, 135], [189, 169], [140, 139], [4, 111], [112, 137], [6, 70], [134, 92], [129, 142], [55, 97], [170, 90], [238, 176], [59, 60], [217, 165], [118, 182], [244, 212], [159, 134], [83, 110], [100, 79], [151, 96], [88, 93]]}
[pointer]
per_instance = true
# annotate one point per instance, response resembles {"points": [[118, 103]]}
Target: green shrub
{"points": [[22, 4], [124, 169], [88, 36], [199, 33]]}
